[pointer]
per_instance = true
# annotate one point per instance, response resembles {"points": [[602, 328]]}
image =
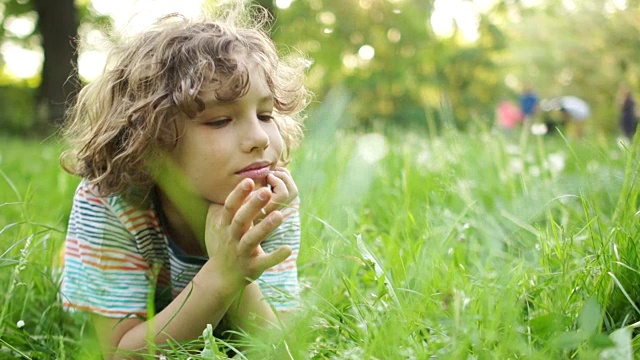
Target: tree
{"points": [[58, 26], [396, 68], [55, 33]]}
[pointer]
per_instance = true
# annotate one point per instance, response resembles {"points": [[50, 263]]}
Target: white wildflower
{"points": [[20, 324], [534, 171], [423, 159], [539, 129], [512, 149], [556, 162], [593, 167], [516, 165]]}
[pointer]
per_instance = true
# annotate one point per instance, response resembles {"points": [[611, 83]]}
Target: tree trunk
{"points": [[58, 27]]}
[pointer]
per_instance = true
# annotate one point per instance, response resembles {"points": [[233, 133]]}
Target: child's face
{"points": [[230, 141]]}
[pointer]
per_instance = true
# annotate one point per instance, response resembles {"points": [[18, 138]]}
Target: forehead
{"points": [[231, 88]]}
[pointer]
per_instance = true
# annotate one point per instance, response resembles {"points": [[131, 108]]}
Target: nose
{"points": [[255, 136]]}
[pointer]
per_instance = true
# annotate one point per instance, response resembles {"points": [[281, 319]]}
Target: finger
{"points": [[284, 175], [278, 186], [283, 169], [273, 258], [235, 199], [253, 237], [280, 193], [248, 211]]}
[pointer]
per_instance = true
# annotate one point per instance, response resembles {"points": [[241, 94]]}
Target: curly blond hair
{"points": [[126, 116]]}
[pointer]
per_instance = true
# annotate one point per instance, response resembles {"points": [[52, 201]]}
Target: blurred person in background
{"points": [[528, 103], [575, 113], [628, 116]]}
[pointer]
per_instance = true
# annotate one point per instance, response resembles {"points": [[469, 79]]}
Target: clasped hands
{"points": [[235, 230]]}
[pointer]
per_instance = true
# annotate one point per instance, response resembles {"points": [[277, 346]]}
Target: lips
{"points": [[255, 171]]}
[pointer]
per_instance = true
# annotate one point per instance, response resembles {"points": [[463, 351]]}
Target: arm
{"points": [[203, 302], [235, 259]]}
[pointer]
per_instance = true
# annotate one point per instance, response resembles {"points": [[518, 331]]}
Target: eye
{"points": [[218, 123], [265, 117]]}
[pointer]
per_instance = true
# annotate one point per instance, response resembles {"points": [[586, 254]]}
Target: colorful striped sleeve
{"points": [[279, 284], [103, 272]]}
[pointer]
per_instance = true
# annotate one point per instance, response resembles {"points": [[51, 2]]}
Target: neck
{"points": [[184, 221]]}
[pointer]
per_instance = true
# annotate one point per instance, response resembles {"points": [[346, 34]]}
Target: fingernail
{"points": [[263, 195], [247, 184]]}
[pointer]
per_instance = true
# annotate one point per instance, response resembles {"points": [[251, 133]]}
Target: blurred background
{"points": [[471, 240], [402, 62]]}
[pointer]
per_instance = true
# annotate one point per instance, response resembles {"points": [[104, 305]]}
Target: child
{"points": [[181, 144]]}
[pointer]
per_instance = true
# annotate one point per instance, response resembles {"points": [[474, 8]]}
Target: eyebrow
{"points": [[216, 102]]}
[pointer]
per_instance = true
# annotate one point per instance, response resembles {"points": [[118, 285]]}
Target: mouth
{"points": [[257, 171]]}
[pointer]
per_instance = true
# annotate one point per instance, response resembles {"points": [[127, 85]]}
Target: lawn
{"points": [[458, 245]]}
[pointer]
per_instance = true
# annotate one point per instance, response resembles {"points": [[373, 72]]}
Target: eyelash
{"points": [[265, 118], [220, 123]]}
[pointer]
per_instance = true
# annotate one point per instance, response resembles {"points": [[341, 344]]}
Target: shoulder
{"points": [[89, 194]]}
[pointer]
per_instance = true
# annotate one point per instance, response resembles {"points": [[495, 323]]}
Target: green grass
{"points": [[478, 245]]}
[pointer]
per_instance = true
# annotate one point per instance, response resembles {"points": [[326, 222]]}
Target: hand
{"points": [[283, 188], [233, 242]]}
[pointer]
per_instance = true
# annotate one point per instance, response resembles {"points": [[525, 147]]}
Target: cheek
{"points": [[276, 142]]}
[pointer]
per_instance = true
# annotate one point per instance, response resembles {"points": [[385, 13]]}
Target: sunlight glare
{"points": [[21, 62], [570, 5], [448, 13], [442, 22], [91, 64], [350, 61], [326, 18], [365, 4], [21, 26], [136, 15], [532, 3], [394, 35], [130, 17], [366, 52], [283, 4], [613, 6]]}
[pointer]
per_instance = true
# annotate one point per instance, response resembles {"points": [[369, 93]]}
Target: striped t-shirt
{"points": [[110, 246]]}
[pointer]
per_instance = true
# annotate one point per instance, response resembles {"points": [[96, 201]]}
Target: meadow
{"points": [[444, 244]]}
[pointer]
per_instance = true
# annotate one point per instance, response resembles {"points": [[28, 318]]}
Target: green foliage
{"points": [[18, 104], [413, 72], [457, 244]]}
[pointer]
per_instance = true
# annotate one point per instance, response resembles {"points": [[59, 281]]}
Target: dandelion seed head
{"points": [[424, 158], [372, 147]]}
